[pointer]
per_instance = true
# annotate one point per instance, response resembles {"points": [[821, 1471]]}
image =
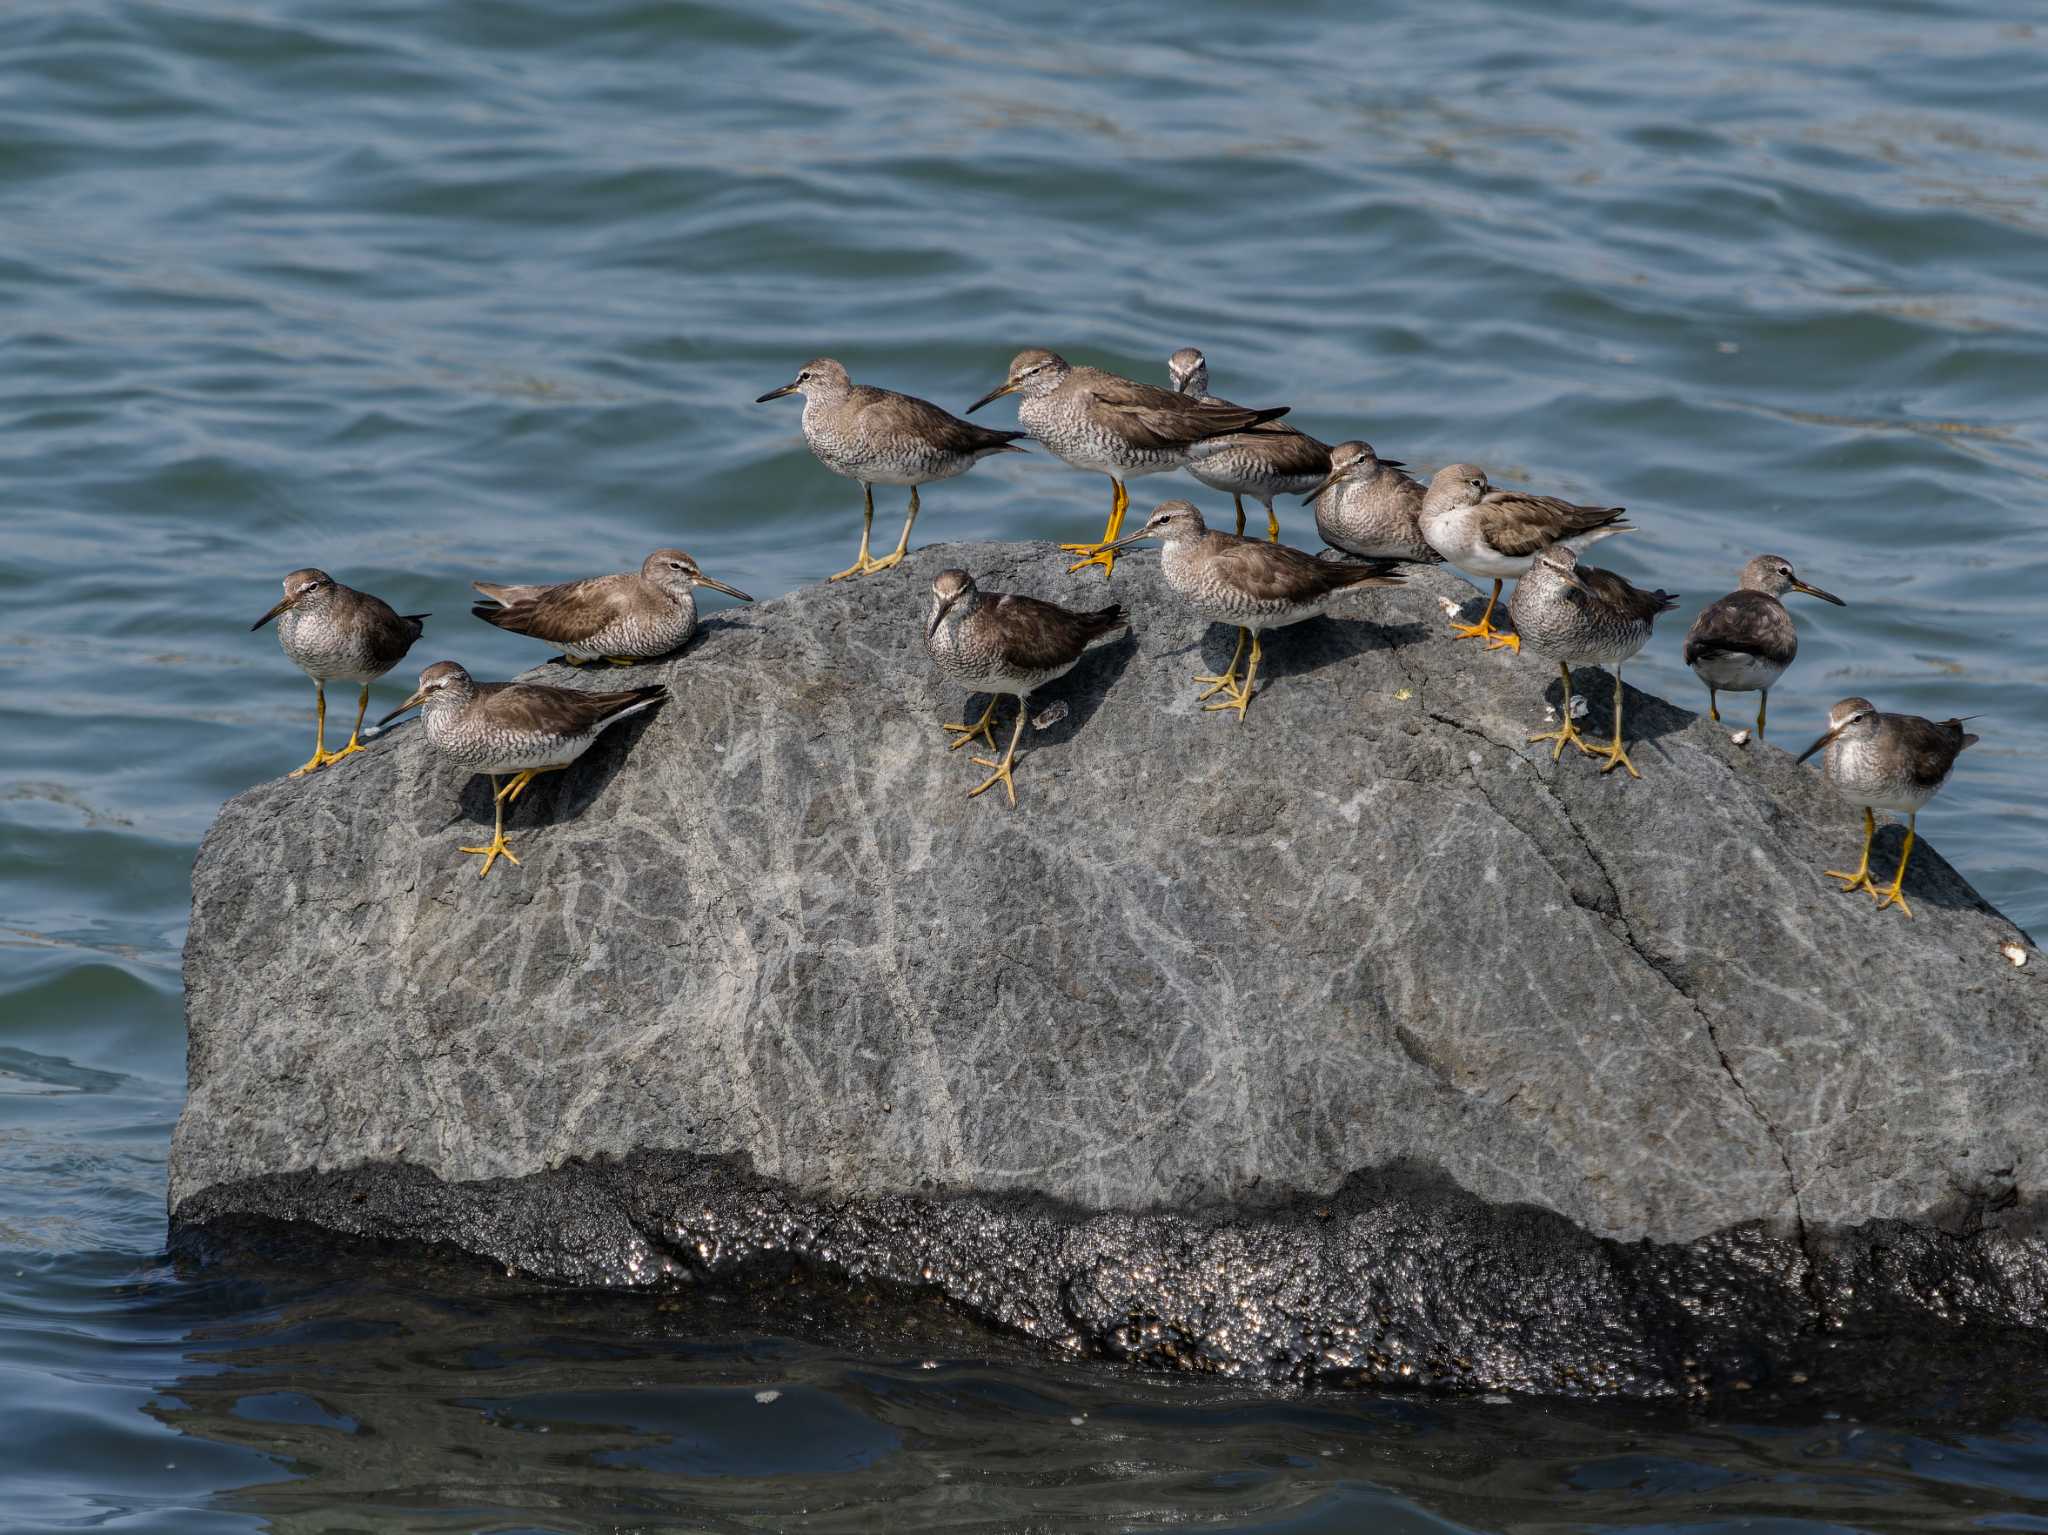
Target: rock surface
{"points": [[1360, 1040]]}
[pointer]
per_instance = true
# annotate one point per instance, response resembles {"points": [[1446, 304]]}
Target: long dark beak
{"points": [[1327, 483], [1132, 538], [411, 703], [1823, 741], [775, 394], [284, 606], [720, 586], [1814, 591], [939, 615], [994, 394]]}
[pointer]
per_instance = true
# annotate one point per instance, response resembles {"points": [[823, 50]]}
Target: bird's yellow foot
{"points": [[1891, 897], [497, 848], [1496, 640], [1614, 752], [1851, 883], [1098, 554], [513, 790], [1484, 631], [1239, 698], [320, 759], [570, 660], [980, 728], [886, 562], [1001, 775], [1566, 733], [623, 660], [1227, 683], [859, 567]]}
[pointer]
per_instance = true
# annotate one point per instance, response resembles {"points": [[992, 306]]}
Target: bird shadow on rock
{"points": [[1645, 716], [1082, 690], [1309, 646], [560, 796]]}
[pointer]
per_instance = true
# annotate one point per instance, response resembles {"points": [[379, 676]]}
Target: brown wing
{"points": [[1037, 636], [1741, 624], [564, 614], [1156, 419], [1632, 601], [1931, 748], [389, 632], [1517, 524], [1276, 573], [905, 415], [537, 707], [1286, 450]]}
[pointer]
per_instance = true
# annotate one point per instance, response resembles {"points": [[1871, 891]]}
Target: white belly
{"points": [[1738, 673]]}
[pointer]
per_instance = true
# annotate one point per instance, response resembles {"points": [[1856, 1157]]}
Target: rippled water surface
{"points": [[426, 293]]}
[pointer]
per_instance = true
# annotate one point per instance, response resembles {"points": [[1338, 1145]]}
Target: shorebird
{"points": [[1895, 762], [520, 728], [1743, 642], [1114, 426], [623, 619], [1368, 506], [1496, 533], [879, 437], [1572, 612], [1248, 582], [1267, 461], [1000, 642], [334, 633]]}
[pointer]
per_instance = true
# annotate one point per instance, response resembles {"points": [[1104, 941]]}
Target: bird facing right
{"points": [[1248, 582], [1743, 642], [1003, 642], [1894, 762], [624, 619], [1573, 612]]}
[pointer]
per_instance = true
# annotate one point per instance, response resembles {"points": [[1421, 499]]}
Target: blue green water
{"points": [[426, 293]]}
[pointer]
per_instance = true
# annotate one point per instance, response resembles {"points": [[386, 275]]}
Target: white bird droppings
{"points": [[765, 1397]]}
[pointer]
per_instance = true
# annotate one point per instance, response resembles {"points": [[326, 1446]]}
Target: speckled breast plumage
{"points": [[1233, 467], [1061, 422], [326, 651], [1865, 774], [659, 623], [484, 746], [874, 458], [1553, 619], [1222, 603], [967, 648], [1376, 518]]}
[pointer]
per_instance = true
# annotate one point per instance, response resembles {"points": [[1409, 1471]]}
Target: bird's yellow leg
{"points": [[1714, 705], [1616, 754], [1272, 525], [354, 745], [1101, 554], [1001, 775], [980, 728], [1860, 880], [1763, 707], [321, 755], [497, 847], [577, 660], [511, 792], [623, 660], [862, 565], [1237, 501], [1566, 731], [1891, 897], [1227, 683], [1241, 699], [1484, 630], [895, 556]]}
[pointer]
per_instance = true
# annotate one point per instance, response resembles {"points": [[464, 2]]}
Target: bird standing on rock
{"points": [[879, 437], [1496, 533], [624, 619], [334, 633], [1248, 582], [1368, 506], [1743, 642], [521, 728], [1003, 642], [1573, 612], [1113, 425], [1894, 762], [1266, 461]]}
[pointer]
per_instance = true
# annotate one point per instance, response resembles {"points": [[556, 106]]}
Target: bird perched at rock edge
{"points": [[334, 633], [1743, 642]]}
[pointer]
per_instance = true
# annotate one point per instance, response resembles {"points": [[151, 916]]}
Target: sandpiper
{"points": [[1742, 643], [1248, 582], [879, 437], [334, 633], [1113, 425], [1368, 506], [1894, 762], [623, 619], [1496, 533], [1267, 461], [521, 728], [1572, 612], [1001, 642]]}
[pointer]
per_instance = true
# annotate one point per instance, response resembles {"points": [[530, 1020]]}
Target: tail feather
{"points": [[1366, 573], [630, 701], [1104, 621]]}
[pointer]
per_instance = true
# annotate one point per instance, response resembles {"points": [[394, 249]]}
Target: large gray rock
{"points": [[1359, 1039]]}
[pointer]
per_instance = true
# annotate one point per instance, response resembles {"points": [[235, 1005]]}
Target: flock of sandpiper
{"points": [[1366, 507]]}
